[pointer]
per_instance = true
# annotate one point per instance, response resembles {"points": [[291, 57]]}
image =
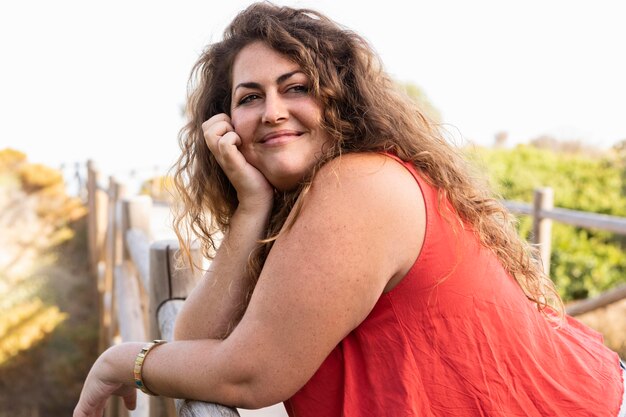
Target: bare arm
{"points": [[360, 228], [218, 300]]}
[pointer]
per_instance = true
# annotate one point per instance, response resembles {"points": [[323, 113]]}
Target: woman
{"points": [[362, 270]]}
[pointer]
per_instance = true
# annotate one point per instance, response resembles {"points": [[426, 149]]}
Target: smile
{"points": [[280, 137]]}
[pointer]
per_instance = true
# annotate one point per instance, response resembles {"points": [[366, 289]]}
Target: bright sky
{"points": [[107, 80]]}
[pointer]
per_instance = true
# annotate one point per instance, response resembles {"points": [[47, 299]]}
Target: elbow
{"points": [[265, 387], [256, 384], [253, 396]]}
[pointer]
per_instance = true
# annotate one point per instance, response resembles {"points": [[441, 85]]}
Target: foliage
{"points": [[10, 158], [584, 262], [160, 188], [36, 177], [48, 328]]}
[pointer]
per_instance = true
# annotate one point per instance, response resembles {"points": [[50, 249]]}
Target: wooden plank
{"points": [[542, 226], [167, 316], [158, 289], [137, 211], [609, 297], [138, 245], [613, 224], [92, 187], [186, 408], [517, 207], [97, 203], [101, 216], [107, 281], [168, 280], [129, 313], [113, 253]]}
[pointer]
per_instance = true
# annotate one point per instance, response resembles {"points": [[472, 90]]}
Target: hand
{"points": [[102, 383], [253, 189]]}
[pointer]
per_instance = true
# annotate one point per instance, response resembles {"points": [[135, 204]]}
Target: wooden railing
{"points": [[543, 212], [140, 285], [142, 290]]}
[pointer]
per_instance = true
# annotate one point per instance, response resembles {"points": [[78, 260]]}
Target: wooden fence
{"points": [[543, 213], [141, 290]]}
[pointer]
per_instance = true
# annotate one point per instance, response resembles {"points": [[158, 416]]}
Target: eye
{"points": [[248, 99], [299, 88]]}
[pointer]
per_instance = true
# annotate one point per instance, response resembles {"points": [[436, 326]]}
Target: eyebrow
{"points": [[279, 80]]}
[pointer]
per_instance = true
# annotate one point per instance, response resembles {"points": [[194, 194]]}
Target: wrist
{"points": [[256, 207], [139, 360], [118, 362]]}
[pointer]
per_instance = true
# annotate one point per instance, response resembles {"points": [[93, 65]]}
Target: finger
{"points": [[220, 117], [130, 400], [229, 155], [87, 409], [216, 124], [228, 140], [214, 132]]}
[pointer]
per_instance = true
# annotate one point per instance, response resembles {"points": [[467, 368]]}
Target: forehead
{"points": [[257, 62]]}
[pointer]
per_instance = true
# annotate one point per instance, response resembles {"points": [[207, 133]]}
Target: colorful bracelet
{"points": [[141, 356]]}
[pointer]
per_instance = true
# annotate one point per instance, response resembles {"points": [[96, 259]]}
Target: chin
{"points": [[286, 182], [286, 175]]}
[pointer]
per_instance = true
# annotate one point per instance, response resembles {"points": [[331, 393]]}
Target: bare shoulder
{"points": [[368, 179], [361, 165], [357, 232]]}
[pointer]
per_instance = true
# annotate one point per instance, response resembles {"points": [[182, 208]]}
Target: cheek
{"points": [[243, 125], [250, 156], [311, 114]]}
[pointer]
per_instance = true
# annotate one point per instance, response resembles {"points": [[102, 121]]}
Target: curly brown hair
{"points": [[363, 111]]}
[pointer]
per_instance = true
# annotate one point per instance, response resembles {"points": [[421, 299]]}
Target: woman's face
{"points": [[278, 120]]}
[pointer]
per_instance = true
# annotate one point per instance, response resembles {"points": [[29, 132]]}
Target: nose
{"points": [[275, 110]]}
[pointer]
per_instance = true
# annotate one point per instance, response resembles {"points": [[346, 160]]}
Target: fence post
{"points": [[97, 201], [112, 259], [135, 214], [168, 281], [542, 227]]}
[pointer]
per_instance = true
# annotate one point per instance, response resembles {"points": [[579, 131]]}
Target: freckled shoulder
{"points": [[357, 234], [379, 198], [376, 172]]}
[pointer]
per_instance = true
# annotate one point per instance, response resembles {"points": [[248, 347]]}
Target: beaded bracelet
{"points": [[141, 356]]}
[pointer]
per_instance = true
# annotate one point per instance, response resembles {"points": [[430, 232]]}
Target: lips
{"points": [[279, 136]]}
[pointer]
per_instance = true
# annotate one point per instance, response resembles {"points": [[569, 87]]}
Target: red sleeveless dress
{"points": [[457, 337]]}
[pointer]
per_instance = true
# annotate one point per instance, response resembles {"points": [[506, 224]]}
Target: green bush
{"points": [[584, 262]]}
